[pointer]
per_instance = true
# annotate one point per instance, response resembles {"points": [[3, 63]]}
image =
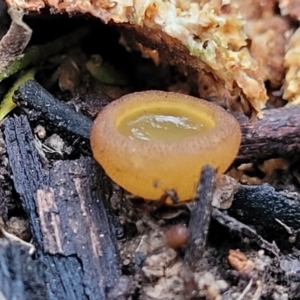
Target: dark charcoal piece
{"points": [[260, 206], [69, 218], [200, 217], [26, 167], [59, 113], [20, 275]]}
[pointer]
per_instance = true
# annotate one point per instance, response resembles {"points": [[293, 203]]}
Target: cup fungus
{"points": [[154, 141]]}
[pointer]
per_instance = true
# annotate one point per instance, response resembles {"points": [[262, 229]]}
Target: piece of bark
{"points": [[33, 95], [20, 275], [274, 215], [200, 218], [71, 228], [277, 134]]}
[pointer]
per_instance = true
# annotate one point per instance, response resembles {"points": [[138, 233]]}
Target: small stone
{"points": [[40, 131]]}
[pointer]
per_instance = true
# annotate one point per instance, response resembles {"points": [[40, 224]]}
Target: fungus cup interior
{"points": [[162, 123], [154, 141]]}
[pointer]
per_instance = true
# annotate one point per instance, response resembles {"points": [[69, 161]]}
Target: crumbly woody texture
{"points": [[291, 8], [269, 37], [204, 35], [256, 9], [269, 33], [291, 85]]}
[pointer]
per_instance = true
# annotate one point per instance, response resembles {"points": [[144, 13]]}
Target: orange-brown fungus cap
{"points": [[150, 142]]}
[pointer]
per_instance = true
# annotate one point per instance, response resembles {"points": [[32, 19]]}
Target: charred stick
{"points": [[26, 167], [277, 134], [244, 230], [69, 218], [33, 95], [200, 217]]}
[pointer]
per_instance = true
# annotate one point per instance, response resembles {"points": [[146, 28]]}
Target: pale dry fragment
{"points": [[40, 131], [156, 264], [165, 289], [55, 143], [150, 243], [204, 35], [269, 37], [15, 40], [239, 261], [225, 189], [291, 87], [256, 9], [262, 261], [171, 286], [290, 7], [207, 284]]}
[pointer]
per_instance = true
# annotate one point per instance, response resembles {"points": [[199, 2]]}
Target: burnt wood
{"points": [[33, 95], [262, 207], [200, 217], [69, 218], [277, 134]]}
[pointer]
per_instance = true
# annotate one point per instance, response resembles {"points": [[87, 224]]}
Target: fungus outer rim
{"points": [[224, 125]]}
